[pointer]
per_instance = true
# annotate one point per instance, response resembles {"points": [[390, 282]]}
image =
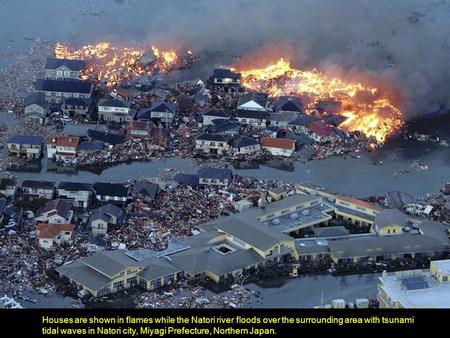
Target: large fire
{"points": [[366, 108], [112, 64]]}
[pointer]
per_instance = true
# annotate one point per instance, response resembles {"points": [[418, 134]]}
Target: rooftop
{"points": [[73, 65], [281, 143], [73, 86]]}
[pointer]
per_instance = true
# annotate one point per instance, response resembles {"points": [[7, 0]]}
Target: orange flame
{"points": [[367, 109], [113, 64]]}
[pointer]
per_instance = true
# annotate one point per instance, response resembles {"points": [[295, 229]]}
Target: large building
{"points": [[416, 288], [251, 238]]}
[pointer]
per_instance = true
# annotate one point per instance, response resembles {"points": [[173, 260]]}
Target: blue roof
{"points": [[77, 101], [73, 65], [26, 139], [162, 106], [65, 86], [91, 146], [244, 141], [215, 173], [75, 186], [187, 179], [106, 137]]}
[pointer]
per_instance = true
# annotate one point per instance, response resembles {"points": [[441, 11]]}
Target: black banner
{"points": [[222, 322]]}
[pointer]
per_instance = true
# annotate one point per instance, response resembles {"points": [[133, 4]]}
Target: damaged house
{"points": [[214, 114], [288, 109], [254, 118], [226, 77], [8, 187], [245, 145], [161, 113]]}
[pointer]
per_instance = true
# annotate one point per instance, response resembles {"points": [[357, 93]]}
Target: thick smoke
{"points": [[403, 41]]}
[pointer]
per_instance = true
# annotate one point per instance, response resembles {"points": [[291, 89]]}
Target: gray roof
{"points": [[61, 205], [91, 146], [333, 231], [35, 98], [252, 114], [384, 245], [26, 139], [284, 116], [244, 141], [64, 86], [84, 275], [310, 246], [146, 188], [257, 234], [391, 217], [215, 173], [225, 73], [114, 102], [73, 65], [157, 268], [216, 113], [259, 98], [38, 184], [111, 263], [81, 129], [162, 106], [212, 137], [75, 186]]}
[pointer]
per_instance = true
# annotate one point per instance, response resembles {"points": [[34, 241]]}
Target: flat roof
{"points": [[443, 265], [430, 294]]}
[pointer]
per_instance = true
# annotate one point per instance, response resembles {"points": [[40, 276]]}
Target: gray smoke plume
{"points": [[403, 42]]}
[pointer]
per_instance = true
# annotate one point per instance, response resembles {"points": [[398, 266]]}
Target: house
{"points": [[211, 143], [106, 137], [28, 146], [116, 193], [148, 189], [215, 176], [64, 69], [139, 129], [278, 146], [187, 179], [225, 127], [321, 132], [255, 118], [214, 114], [56, 91], [36, 109], [160, 112], [253, 101], [51, 235], [114, 109], [107, 215], [38, 189], [300, 124], [282, 118], [289, 104], [245, 145], [61, 147], [79, 193], [226, 77], [8, 186], [107, 272], [58, 211], [76, 107]]}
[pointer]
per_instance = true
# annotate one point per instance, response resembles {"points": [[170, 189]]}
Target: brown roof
{"points": [[140, 125], [53, 230], [277, 143], [50, 140], [68, 141]]}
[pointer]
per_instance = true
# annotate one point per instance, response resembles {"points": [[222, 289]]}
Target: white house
{"points": [[255, 118], [51, 235], [61, 147], [114, 109], [215, 176], [64, 68], [79, 193], [107, 215], [28, 146], [57, 211], [278, 146], [211, 143], [56, 91], [226, 77], [162, 112]]}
